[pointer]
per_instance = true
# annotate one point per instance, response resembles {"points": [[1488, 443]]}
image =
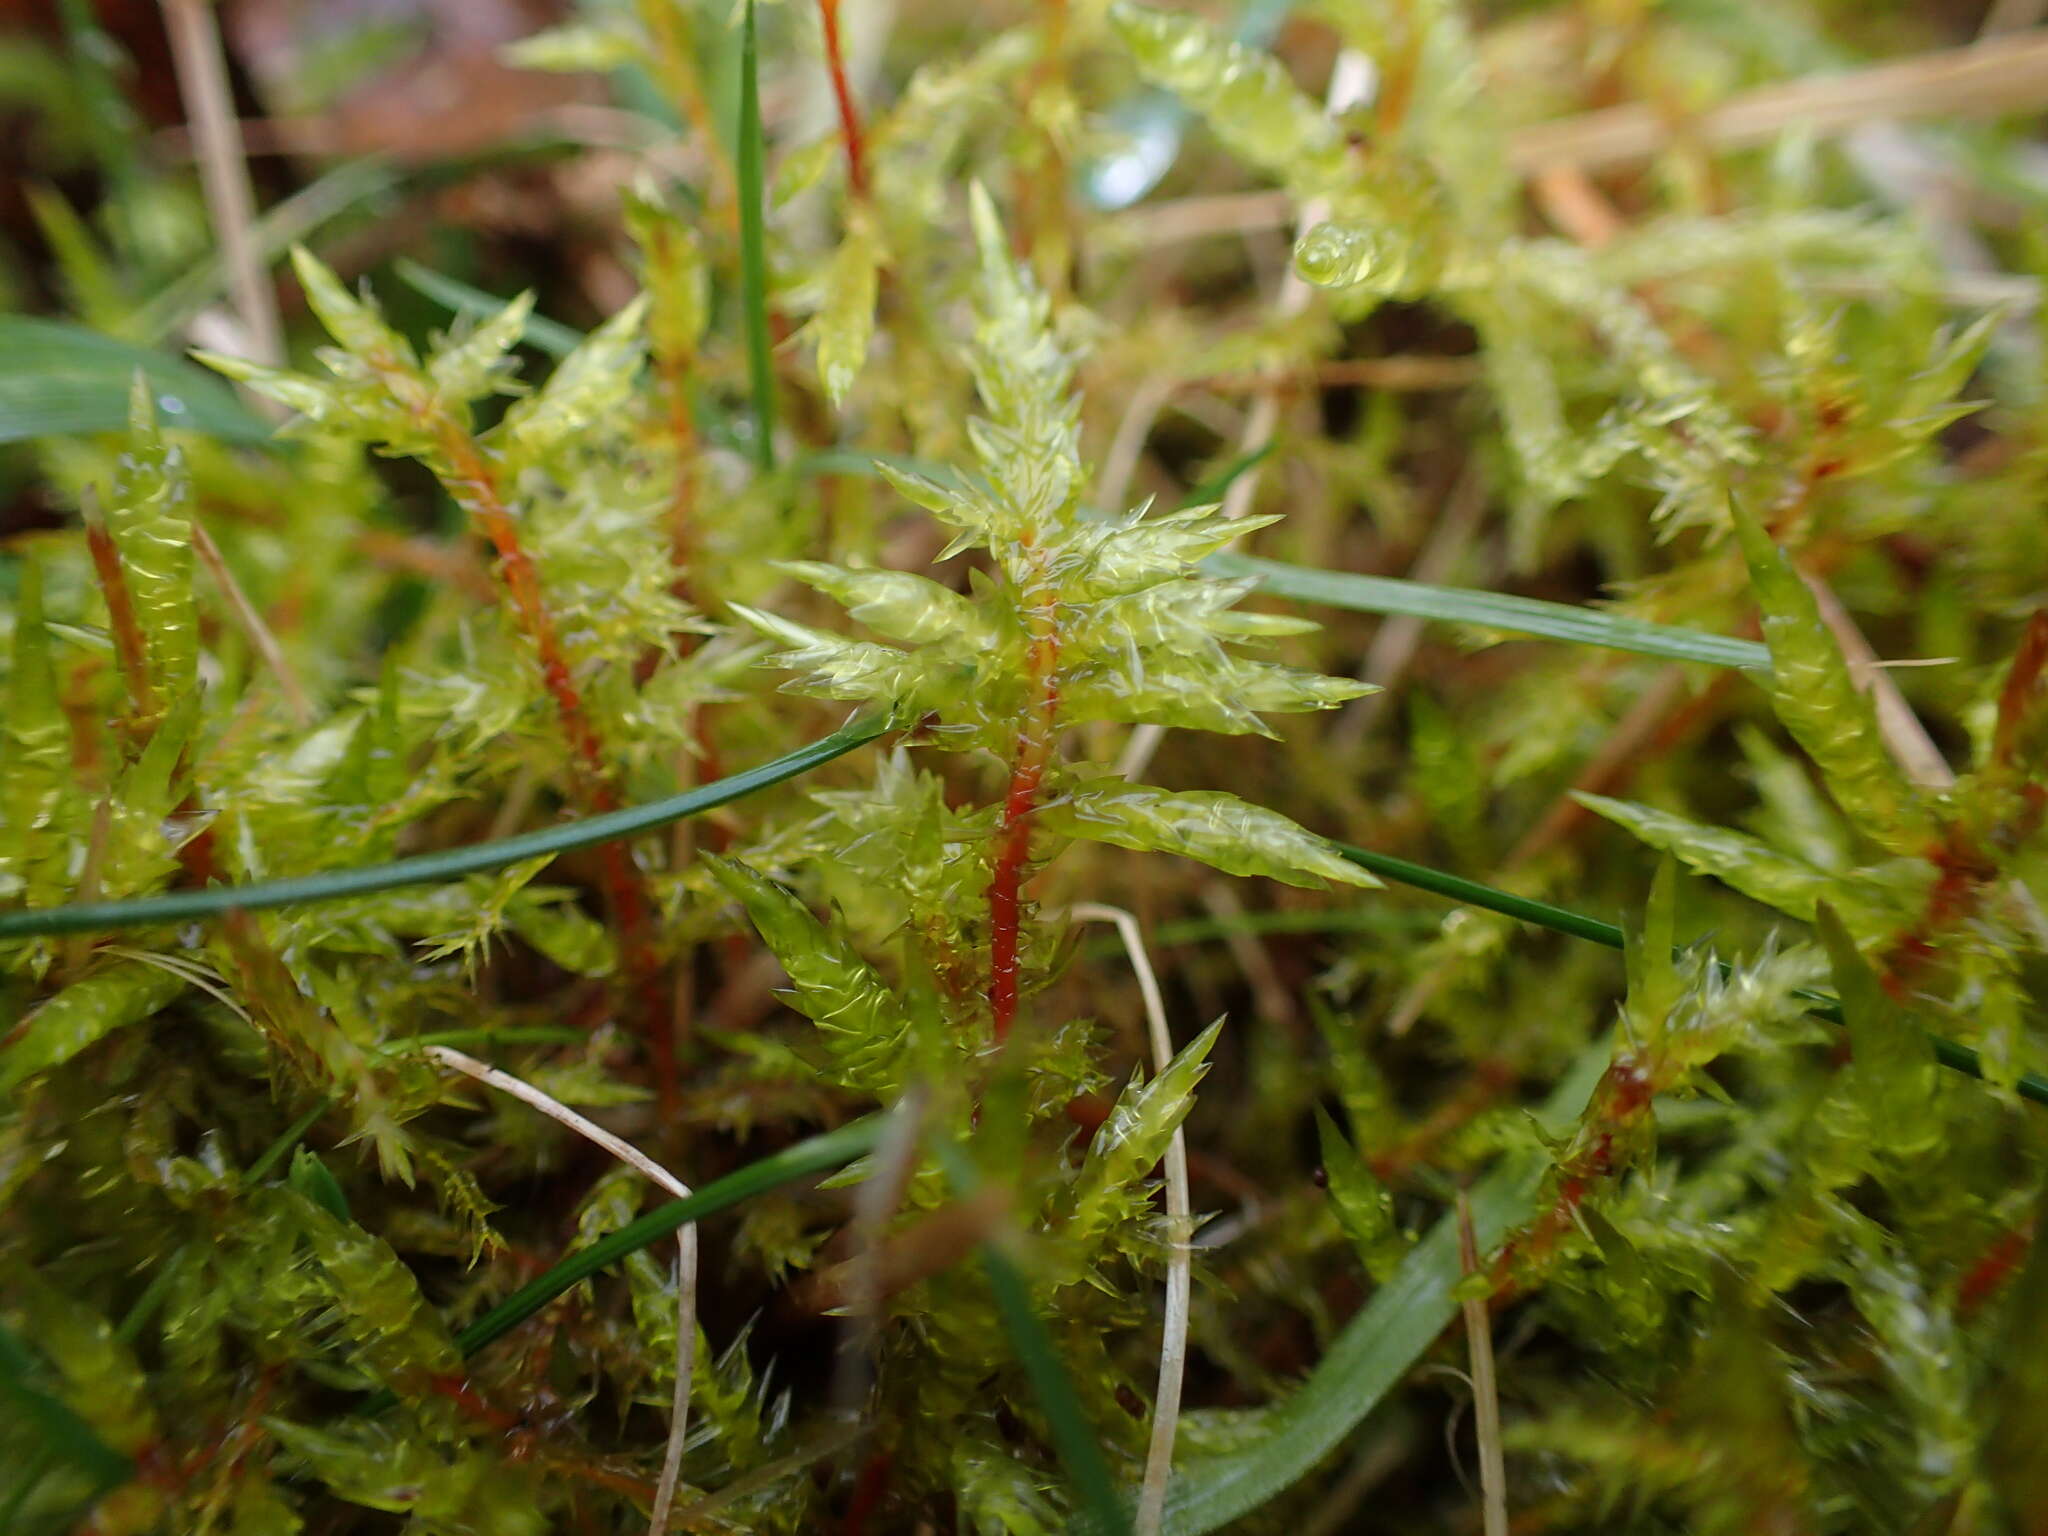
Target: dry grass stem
{"points": [[1493, 1477], [1173, 1344], [686, 1252], [1999, 76], [1988, 79], [252, 625], [1393, 647], [223, 170]]}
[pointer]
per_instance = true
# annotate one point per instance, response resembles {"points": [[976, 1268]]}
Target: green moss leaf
{"points": [[1219, 829], [1819, 703], [863, 1022]]}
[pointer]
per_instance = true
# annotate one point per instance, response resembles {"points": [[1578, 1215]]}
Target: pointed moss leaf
{"points": [[309, 397], [1029, 442], [846, 322], [390, 1466], [1364, 1207], [1218, 829], [351, 321], [590, 384], [149, 517], [1134, 1137], [316, 1181], [578, 47], [837, 668], [863, 1021], [674, 271], [1819, 703], [35, 772], [1172, 543], [565, 933], [919, 487], [1895, 1073], [1654, 982], [999, 1493], [899, 604], [1244, 95], [1753, 867], [84, 1013], [377, 1303], [471, 365]]}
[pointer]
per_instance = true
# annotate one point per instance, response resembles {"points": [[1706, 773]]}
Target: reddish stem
{"points": [[1013, 844], [473, 482], [849, 114], [130, 647]]}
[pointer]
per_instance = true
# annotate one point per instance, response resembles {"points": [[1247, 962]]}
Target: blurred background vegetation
{"points": [[1605, 269]]}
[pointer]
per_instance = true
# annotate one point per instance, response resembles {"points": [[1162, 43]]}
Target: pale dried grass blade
{"points": [[686, 1252]]}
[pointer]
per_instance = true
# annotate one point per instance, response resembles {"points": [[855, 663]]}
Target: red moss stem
{"points": [[130, 647], [842, 92], [1013, 841], [472, 481]]}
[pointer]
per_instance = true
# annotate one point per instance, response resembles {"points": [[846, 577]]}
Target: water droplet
{"points": [[171, 405]]}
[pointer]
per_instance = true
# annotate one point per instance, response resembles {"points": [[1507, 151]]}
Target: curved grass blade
{"points": [[1378, 1347], [753, 198], [1952, 1054], [1102, 1511], [448, 864], [63, 378], [1493, 610], [543, 334], [821, 1154], [63, 1438]]}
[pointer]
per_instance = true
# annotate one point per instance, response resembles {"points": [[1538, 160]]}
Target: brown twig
{"points": [[252, 624], [223, 170]]}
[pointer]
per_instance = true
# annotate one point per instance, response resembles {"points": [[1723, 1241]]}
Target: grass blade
{"points": [[63, 1438], [276, 230], [1102, 1511], [1379, 1346], [754, 245], [449, 864], [1073, 1436], [1952, 1054], [820, 1154], [543, 334], [63, 378], [1493, 610]]}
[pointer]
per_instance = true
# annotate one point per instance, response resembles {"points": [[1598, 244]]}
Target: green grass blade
{"points": [[1493, 610], [62, 1436], [286, 224], [820, 1154], [448, 864], [753, 196], [1073, 1436], [1378, 1347], [1952, 1054], [549, 336], [63, 379]]}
